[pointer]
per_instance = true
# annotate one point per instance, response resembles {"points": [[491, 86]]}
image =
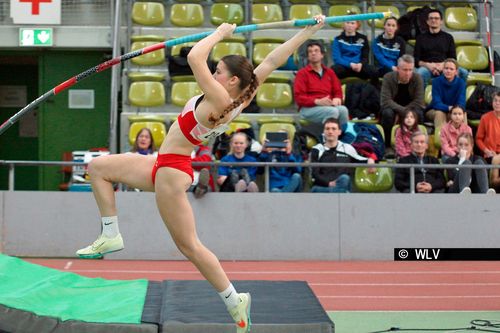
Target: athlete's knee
{"points": [[189, 247], [96, 166]]}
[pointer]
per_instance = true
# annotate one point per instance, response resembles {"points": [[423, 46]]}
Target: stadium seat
{"points": [[380, 181], [186, 15], [182, 78], [158, 130], [422, 129], [304, 11], [176, 49], [293, 2], [146, 76], [468, 92], [379, 23], [154, 58], [278, 76], [274, 95], [338, 10], [146, 94], [474, 58], [473, 122], [276, 127], [236, 125], [224, 48], [262, 47], [266, 12], [428, 94], [182, 91], [147, 38], [264, 119], [460, 18], [226, 12], [460, 42], [437, 138], [148, 13]]}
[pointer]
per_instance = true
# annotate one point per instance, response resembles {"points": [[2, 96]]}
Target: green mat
{"points": [[68, 296]]}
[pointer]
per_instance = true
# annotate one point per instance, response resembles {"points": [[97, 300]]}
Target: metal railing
{"points": [[266, 165]]}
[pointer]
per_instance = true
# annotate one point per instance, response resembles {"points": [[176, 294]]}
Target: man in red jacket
{"points": [[317, 89]]}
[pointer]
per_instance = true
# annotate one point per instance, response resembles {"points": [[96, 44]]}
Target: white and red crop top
{"points": [[195, 132]]}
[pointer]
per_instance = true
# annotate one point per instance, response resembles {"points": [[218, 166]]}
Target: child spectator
{"points": [[388, 47], [450, 132], [466, 180], [407, 126], [350, 54], [237, 178]]}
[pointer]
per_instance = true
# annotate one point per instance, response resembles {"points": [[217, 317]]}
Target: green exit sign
{"points": [[35, 37]]}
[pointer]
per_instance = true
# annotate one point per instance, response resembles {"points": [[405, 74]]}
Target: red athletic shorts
{"points": [[179, 162]]}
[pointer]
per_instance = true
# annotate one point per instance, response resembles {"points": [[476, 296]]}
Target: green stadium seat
{"points": [[226, 12], [146, 94], [276, 127], [274, 95], [182, 78], [422, 129], [380, 181], [379, 23], [181, 92], [461, 42], [224, 48], [147, 38], [236, 125], [437, 138], [473, 122], [468, 92], [472, 57], [460, 18], [187, 15], [148, 13], [266, 12], [146, 76], [158, 130], [154, 58], [262, 47], [304, 11], [264, 119], [176, 49], [428, 94], [340, 10]]}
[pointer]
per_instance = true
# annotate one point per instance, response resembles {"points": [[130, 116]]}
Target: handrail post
{"points": [[412, 179], [11, 176], [266, 178]]}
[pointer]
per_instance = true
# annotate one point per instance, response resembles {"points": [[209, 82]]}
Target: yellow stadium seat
{"points": [[460, 42], [422, 129], [146, 76], [340, 10], [147, 38], [154, 58], [437, 138], [274, 95], [182, 78], [276, 127], [460, 18], [235, 126], [176, 49], [158, 130], [261, 50], [275, 119], [226, 12], [428, 94], [380, 181], [472, 57], [186, 15], [148, 13], [224, 48], [182, 91], [146, 94], [266, 12], [304, 11], [468, 92], [379, 23]]}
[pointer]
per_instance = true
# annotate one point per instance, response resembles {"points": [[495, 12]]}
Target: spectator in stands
{"points": [[388, 47], [282, 179], [334, 180], [447, 90], [450, 132], [426, 180], [402, 138], [433, 47], [488, 132], [401, 89], [495, 174], [203, 181], [238, 178], [317, 89], [350, 54], [465, 180], [144, 143]]}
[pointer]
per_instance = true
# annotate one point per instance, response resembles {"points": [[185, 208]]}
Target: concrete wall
{"points": [[261, 226]]}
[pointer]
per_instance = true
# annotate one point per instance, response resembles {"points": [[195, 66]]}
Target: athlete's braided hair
{"points": [[242, 68]]}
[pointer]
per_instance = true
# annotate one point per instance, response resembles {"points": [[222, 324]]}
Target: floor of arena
{"points": [[359, 296]]}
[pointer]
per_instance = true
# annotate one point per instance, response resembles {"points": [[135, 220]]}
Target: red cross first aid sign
{"points": [[35, 11]]}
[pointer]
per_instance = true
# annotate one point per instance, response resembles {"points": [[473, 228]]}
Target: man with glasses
{"points": [[433, 47]]}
